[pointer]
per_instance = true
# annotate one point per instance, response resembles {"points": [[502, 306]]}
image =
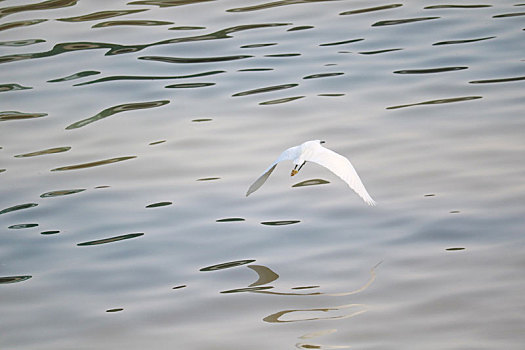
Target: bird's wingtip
{"points": [[368, 200]]}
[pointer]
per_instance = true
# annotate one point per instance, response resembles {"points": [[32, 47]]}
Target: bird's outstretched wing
{"points": [[289, 154], [342, 167]]}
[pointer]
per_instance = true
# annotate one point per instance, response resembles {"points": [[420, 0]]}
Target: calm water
{"points": [[130, 133]]}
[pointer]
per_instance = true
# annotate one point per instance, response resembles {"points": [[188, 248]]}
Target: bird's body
{"points": [[313, 151]]}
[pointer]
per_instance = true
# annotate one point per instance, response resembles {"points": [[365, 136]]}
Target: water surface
{"points": [[130, 132]]}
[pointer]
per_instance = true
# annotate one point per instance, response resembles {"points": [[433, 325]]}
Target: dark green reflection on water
{"points": [[194, 59], [82, 74], [159, 204], [342, 42], [435, 102], [429, 70], [370, 9], [247, 289], [186, 28], [500, 80], [455, 6], [280, 100], [99, 15], [44, 152], [156, 143], [93, 164], [167, 3], [61, 193], [22, 226], [305, 287], [227, 265], [330, 95], [117, 109], [130, 23], [323, 75], [265, 89], [254, 46], [13, 115], [272, 4], [464, 41], [115, 310], [280, 223], [110, 240], [12, 25], [25, 42], [294, 29], [71, 47], [375, 52], [138, 77], [279, 55], [255, 70], [48, 233], [18, 207], [513, 14], [115, 49], [402, 21], [189, 85], [13, 279], [230, 220], [44, 5], [220, 34], [13, 87]]}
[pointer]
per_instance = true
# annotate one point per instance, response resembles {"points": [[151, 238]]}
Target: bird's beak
{"points": [[321, 142], [293, 172]]}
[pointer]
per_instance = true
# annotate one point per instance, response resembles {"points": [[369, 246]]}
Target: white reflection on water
{"points": [[426, 98]]}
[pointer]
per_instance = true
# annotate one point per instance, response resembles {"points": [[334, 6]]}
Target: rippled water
{"points": [[130, 132]]}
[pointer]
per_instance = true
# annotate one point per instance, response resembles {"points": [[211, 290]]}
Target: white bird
{"points": [[312, 151]]}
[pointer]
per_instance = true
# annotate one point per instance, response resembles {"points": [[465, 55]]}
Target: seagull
{"points": [[313, 151]]}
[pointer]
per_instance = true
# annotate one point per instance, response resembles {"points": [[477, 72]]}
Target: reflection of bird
{"points": [[312, 151]]}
